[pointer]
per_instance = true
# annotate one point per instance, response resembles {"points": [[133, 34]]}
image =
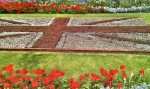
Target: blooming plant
{"points": [[35, 7], [32, 7], [40, 79]]}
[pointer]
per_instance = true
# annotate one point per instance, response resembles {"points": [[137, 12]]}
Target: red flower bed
{"points": [[38, 78], [32, 7]]}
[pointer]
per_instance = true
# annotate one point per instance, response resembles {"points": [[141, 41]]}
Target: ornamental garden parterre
{"points": [[95, 34]]}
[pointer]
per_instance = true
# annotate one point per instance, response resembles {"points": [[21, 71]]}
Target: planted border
{"points": [[40, 79], [34, 7]]}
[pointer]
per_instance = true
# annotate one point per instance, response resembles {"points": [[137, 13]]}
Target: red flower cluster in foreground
{"points": [[9, 78], [32, 7], [24, 79]]}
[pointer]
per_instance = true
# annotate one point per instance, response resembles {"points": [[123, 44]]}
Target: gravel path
{"points": [[89, 41], [30, 21], [127, 22], [23, 41]]}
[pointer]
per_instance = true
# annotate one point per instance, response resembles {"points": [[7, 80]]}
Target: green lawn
{"points": [[146, 16], [75, 63]]}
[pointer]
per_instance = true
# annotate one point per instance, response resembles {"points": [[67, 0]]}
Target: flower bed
{"points": [[40, 79], [32, 7]]}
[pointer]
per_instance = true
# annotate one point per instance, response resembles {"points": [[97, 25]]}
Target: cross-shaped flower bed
{"points": [[75, 34]]}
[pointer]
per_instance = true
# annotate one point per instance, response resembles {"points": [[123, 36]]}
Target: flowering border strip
{"points": [[53, 33], [39, 78], [32, 7]]}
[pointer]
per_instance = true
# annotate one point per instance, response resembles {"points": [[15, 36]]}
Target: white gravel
{"points": [[88, 41], [30, 21], [128, 22], [11, 33], [23, 41], [136, 36]]}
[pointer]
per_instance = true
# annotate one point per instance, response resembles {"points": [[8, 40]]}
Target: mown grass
{"points": [[75, 63], [146, 16]]}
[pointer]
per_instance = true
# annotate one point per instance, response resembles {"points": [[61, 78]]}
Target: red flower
{"points": [[141, 72], [16, 8], [46, 80], [74, 85], [81, 77], [23, 71], [34, 83], [14, 79], [56, 73], [72, 6], [119, 85], [62, 73], [122, 66], [26, 77], [58, 10], [107, 83], [52, 5], [1, 80], [124, 75], [110, 77], [8, 68], [92, 79], [95, 76], [70, 80], [52, 86], [38, 77], [6, 84], [103, 71], [116, 70], [22, 84], [112, 71]]}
